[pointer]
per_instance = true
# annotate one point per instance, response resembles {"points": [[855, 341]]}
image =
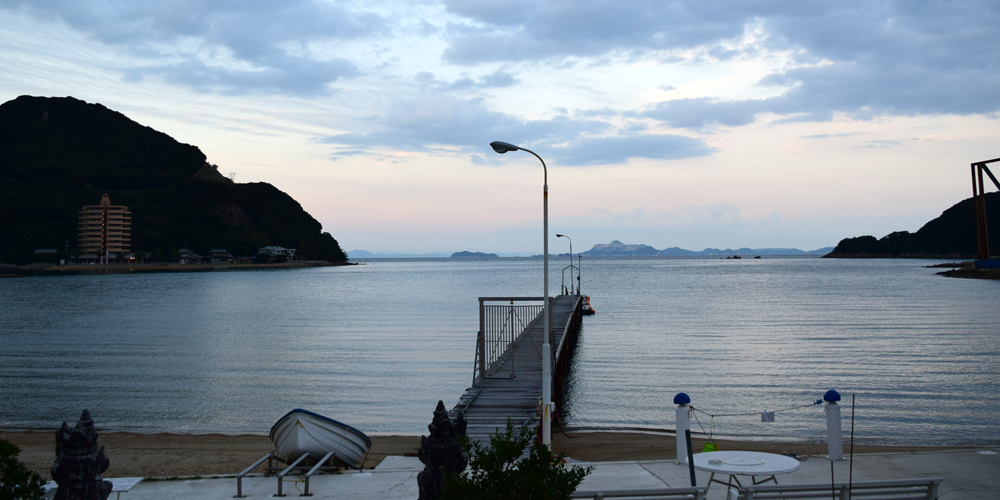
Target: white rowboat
{"points": [[302, 431]]}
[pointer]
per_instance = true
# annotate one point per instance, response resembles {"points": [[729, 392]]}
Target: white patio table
{"points": [[744, 463]]}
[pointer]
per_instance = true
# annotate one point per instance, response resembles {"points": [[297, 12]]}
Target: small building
{"points": [[219, 255], [45, 255], [189, 257], [275, 251]]}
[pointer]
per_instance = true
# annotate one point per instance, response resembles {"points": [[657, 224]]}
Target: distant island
{"points": [[59, 154], [613, 249], [619, 249], [474, 255], [952, 235]]}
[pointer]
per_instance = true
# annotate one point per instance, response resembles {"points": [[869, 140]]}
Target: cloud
{"points": [[686, 216], [533, 31], [497, 79], [830, 136], [698, 113], [858, 59], [224, 46], [436, 119], [421, 123], [288, 76], [619, 149]]}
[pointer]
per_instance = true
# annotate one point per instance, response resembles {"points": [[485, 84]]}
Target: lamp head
{"points": [[560, 235], [503, 147]]}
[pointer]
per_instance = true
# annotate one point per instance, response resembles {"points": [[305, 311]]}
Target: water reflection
{"points": [[378, 345]]}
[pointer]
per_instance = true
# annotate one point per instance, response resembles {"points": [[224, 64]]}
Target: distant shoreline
{"points": [[11, 271]]}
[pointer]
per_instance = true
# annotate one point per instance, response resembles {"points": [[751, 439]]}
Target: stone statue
{"points": [[441, 453], [79, 464]]}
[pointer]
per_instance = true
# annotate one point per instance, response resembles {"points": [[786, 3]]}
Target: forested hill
{"points": [[58, 154], [951, 235]]}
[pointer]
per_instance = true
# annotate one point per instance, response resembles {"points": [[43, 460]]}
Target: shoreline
{"points": [[166, 455], [13, 271]]}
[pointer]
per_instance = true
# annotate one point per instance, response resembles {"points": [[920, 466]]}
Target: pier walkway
{"points": [[508, 370]]}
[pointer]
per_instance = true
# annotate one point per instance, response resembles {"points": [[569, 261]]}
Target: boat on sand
{"points": [[302, 431]]}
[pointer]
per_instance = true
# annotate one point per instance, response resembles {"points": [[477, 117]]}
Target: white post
{"points": [[683, 423], [834, 436], [546, 347]]}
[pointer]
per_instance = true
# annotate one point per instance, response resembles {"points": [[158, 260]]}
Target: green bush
{"points": [[496, 474], [16, 481]]}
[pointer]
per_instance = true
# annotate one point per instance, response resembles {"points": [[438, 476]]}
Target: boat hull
{"points": [[302, 431]]}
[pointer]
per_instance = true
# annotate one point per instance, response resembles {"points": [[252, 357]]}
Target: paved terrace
{"points": [[968, 474]]}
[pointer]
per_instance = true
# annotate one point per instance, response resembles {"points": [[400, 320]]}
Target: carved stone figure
{"points": [[441, 453], [79, 464]]}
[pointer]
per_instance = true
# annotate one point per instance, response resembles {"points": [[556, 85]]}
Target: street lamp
{"points": [[547, 406], [570, 261]]}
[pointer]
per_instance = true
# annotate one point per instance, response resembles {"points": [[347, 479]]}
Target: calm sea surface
{"points": [[377, 345]]}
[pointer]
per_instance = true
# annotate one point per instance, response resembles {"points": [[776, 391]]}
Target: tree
{"points": [[496, 474], [17, 482]]}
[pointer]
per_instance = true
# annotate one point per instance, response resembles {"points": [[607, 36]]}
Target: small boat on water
{"points": [[302, 431], [586, 305]]}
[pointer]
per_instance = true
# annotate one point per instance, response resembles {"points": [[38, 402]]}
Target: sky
{"points": [[694, 124]]}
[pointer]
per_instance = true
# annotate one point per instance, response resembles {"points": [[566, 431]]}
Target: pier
{"points": [[507, 380]]}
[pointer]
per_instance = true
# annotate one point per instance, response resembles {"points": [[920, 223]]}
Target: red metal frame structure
{"points": [[979, 205]]}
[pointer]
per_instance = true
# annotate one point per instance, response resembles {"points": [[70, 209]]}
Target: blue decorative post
{"points": [[834, 436], [683, 423]]}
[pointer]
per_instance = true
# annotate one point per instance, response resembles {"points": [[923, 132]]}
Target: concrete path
{"points": [[968, 474]]}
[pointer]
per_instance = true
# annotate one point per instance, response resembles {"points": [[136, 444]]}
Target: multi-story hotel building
{"points": [[105, 229]]}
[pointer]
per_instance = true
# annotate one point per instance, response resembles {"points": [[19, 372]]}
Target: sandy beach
{"points": [[172, 455]]}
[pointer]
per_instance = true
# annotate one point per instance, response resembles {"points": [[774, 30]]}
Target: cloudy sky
{"points": [[693, 124]]}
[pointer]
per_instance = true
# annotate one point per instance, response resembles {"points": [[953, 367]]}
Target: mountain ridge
{"points": [[58, 154], [951, 235], [617, 248]]}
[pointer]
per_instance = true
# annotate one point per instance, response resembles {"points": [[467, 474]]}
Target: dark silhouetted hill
{"points": [[952, 235], [58, 154]]}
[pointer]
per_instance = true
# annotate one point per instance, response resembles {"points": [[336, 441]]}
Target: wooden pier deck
{"points": [[508, 380]]}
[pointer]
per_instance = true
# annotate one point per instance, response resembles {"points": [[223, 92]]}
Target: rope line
{"points": [[713, 415], [711, 437]]}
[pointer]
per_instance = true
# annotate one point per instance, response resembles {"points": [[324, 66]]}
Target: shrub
{"points": [[16, 481], [496, 474]]}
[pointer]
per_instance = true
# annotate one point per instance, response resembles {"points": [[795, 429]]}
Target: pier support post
{"points": [[547, 392], [683, 423], [834, 435]]}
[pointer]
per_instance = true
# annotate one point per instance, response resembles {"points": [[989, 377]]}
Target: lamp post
{"points": [[547, 405], [570, 260]]}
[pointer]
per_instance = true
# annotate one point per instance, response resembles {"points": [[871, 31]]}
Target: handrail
{"points": [[563, 278], [281, 475], [688, 492], [508, 299], [475, 360], [888, 490], [502, 325], [239, 477], [313, 471], [505, 355], [575, 318]]}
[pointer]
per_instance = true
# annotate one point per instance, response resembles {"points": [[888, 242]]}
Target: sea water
{"points": [[377, 345]]}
